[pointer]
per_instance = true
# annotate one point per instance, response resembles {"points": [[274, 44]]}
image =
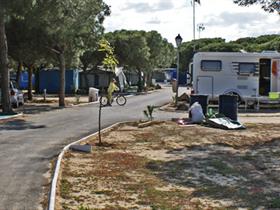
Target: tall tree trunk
{"points": [[19, 71], [149, 79], [61, 59], [86, 80], [140, 84], [30, 86], [5, 76], [144, 82]]}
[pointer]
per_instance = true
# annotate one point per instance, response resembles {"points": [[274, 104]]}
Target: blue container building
{"points": [[171, 73], [49, 80], [23, 79], [23, 82]]}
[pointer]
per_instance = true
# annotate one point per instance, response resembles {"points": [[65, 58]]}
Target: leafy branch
{"points": [[110, 61], [149, 112]]}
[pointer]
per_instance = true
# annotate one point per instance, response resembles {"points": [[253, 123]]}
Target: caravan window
{"points": [[211, 65], [247, 68]]}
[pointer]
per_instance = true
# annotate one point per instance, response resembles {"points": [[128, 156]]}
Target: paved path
{"points": [[26, 147]]}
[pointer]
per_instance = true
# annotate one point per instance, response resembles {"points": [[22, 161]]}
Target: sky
{"points": [[221, 18]]}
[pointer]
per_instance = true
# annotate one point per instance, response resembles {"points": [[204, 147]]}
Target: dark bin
{"points": [[228, 106], [202, 100]]}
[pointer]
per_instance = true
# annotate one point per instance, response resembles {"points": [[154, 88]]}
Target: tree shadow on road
{"points": [[37, 109], [19, 124]]}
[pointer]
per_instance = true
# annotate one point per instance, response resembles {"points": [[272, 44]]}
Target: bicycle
{"points": [[120, 99]]}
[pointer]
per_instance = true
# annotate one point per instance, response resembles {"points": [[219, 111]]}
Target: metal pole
{"points": [[45, 95], [194, 25], [193, 19], [177, 85], [99, 125]]}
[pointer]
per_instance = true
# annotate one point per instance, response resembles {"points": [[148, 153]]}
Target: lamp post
{"points": [[178, 40], [200, 28]]}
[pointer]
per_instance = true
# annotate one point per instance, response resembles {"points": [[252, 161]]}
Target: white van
{"points": [[251, 76]]}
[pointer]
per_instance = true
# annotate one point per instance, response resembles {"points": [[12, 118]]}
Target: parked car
{"points": [[16, 96]]}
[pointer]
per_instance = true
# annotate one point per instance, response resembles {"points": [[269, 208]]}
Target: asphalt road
{"points": [[26, 147]]}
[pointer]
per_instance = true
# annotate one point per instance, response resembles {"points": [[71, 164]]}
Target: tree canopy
{"points": [[141, 50], [8, 8], [37, 27], [267, 5], [69, 32]]}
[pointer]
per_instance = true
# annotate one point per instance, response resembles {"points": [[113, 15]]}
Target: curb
{"points": [[52, 194], [11, 116], [85, 104], [259, 115]]}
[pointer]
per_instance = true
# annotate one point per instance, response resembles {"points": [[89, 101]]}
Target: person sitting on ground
{"points": [[112, 88]]}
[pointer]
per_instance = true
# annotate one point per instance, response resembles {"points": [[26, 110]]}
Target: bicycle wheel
{"points": [[121, 100], [103, 100]]}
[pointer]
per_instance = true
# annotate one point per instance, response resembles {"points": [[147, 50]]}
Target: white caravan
{"points": [[251, 76]]}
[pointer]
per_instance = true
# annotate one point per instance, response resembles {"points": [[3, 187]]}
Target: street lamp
{"points": [[178, 40], [200, 28]]}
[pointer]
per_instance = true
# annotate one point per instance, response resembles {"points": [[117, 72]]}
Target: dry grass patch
{"points": [[166, 166]]}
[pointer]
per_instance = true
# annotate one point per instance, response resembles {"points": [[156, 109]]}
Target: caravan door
{"points": [[265, 77], [205, 85], [275, 75]]}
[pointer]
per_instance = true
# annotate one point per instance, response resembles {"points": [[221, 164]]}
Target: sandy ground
{"points": [[68, 99], [39, 105], [266, 118], [167, 166]]}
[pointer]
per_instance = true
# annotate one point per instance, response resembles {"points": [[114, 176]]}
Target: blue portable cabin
{"points": [[23, 79], [171, 73], [23, 82], [49, 80]]}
